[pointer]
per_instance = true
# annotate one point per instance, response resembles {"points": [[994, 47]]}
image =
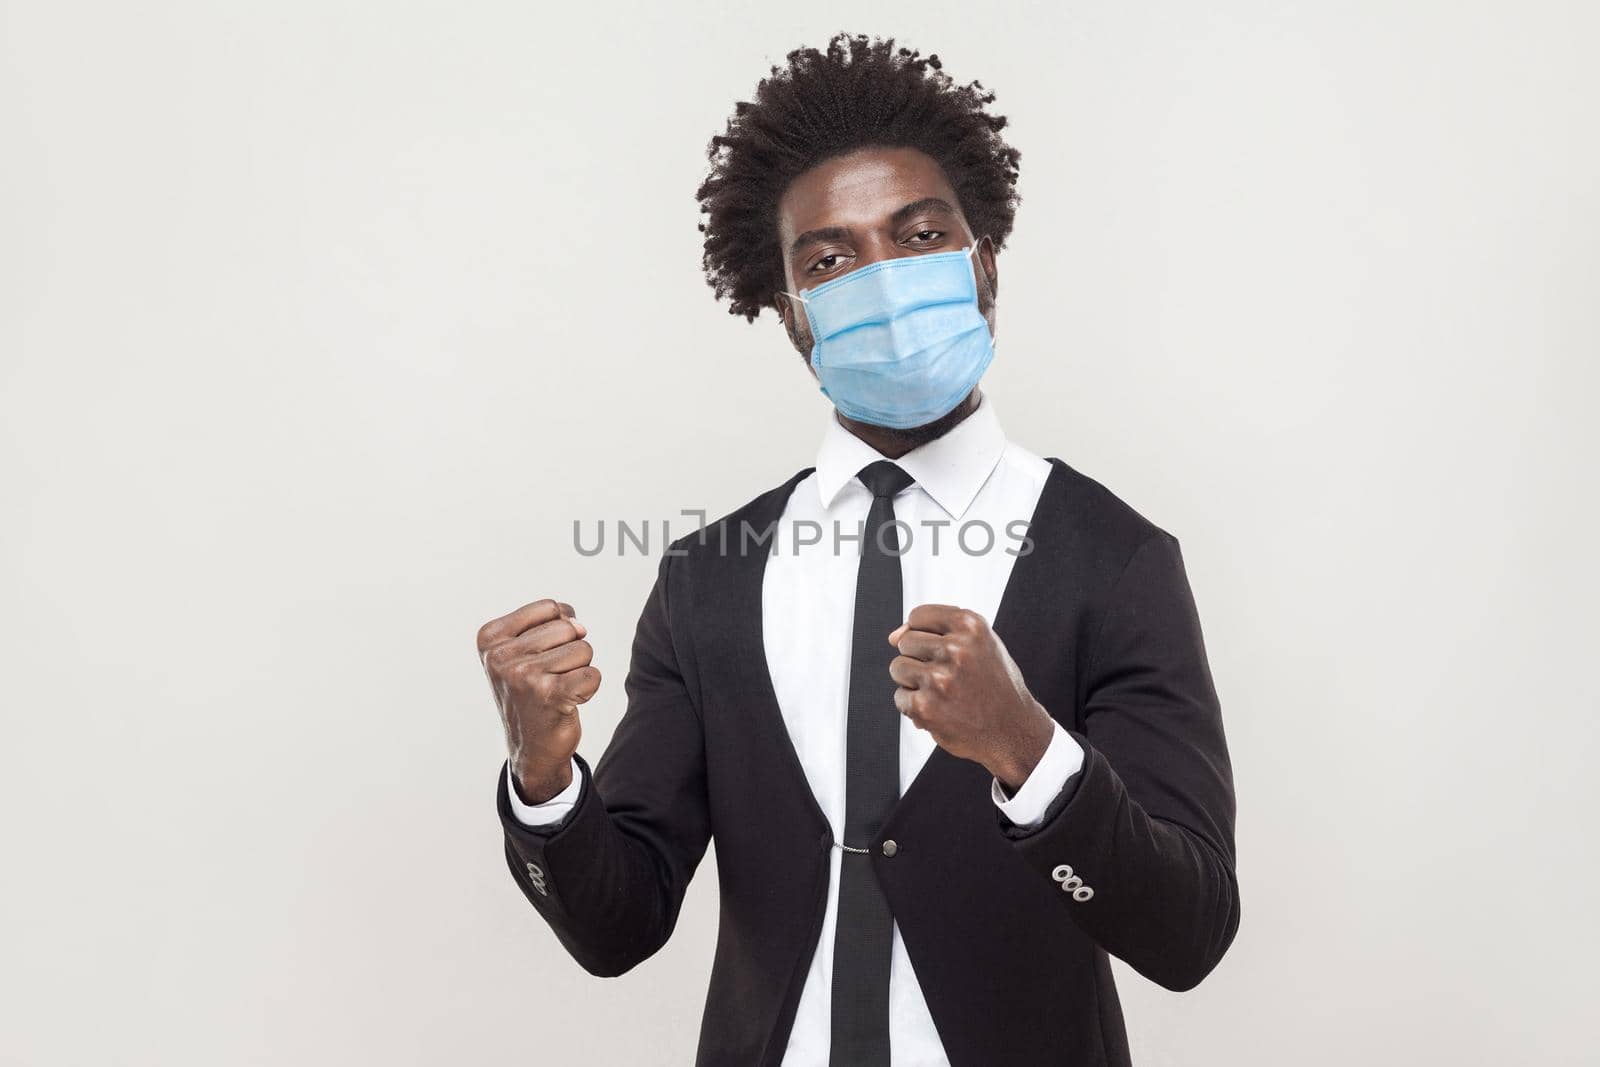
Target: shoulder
{"points": [[1101, 525], [745, 525], [712, 571]]}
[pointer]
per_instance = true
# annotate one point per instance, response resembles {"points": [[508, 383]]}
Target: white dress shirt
{"points": [[969, 481]]}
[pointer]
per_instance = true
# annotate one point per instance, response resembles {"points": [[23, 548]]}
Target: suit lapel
{"points": [[739, 602]]}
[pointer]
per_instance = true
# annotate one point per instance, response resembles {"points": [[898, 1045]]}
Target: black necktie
{"points": [[865, 930]]}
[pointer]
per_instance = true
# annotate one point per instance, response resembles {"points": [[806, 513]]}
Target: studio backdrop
{"points": [[322, 326]]}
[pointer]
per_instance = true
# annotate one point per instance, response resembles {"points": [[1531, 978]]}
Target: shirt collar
{"points": [[950, 469]]}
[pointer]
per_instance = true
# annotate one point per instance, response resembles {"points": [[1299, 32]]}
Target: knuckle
{"points": [[486, 636], [530, 677]]}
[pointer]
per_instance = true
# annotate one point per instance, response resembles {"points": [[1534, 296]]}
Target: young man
{"points": [[947, 772]]}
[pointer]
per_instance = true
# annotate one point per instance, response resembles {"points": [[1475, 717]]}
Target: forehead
{"points": [[859, 190]]}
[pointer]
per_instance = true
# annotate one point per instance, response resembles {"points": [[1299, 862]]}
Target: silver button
{"points": [[890, 848], [1071, 883]]}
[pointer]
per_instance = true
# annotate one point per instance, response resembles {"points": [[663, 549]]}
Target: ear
{"points": [[991, 269], [780, 304], [784, 306]]}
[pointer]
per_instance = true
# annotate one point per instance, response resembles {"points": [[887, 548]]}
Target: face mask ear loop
{"points": [[805, 308], [806, 311], [994, 341], [970, 251]]}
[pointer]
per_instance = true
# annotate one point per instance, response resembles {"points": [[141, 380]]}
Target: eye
{"points": [[926, 236], [826, 263]]}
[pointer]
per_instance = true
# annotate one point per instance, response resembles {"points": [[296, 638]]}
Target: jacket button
{"points": [[890, 848]]}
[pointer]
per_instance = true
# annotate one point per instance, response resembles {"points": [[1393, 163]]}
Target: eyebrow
{"points": [[900, 214]]}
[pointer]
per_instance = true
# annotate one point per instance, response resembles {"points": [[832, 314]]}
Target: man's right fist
{"points": [[538, 666]]}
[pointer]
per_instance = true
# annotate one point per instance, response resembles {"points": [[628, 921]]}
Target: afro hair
{"points": [[860, 91]]}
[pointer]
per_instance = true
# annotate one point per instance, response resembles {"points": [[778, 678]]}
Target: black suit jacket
{"points": [[1101, 621]]}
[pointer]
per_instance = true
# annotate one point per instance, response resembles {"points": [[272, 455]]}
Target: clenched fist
{"points": [[958, 682], [538, 666]]}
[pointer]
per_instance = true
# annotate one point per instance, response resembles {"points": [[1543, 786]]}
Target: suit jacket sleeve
{"points": [[551, 813], [610, 877], [1147, 825]]}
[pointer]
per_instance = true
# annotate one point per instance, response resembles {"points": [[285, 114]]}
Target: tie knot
{"points": [[883, 478]]}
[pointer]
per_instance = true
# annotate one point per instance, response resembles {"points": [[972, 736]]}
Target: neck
{"points": [[892, 444]]}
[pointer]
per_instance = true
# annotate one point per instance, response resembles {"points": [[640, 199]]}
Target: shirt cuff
{"points": [[1062, 759], [551, 811]]}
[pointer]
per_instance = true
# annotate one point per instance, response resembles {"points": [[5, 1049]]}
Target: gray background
{"points": [[320, 323]]}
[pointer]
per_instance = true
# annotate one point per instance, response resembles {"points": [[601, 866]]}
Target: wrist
{"points": [[1013, 765], [538, 783]]}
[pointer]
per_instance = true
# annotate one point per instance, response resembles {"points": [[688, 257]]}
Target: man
{"points": [[945, 780]]}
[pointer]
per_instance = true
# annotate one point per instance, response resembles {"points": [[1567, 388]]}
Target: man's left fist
{"points": [[958, 682]]}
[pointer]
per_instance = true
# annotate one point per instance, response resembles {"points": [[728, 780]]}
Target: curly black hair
{"points": [[858, 92]]}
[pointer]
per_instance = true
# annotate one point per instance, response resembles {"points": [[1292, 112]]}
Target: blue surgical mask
{"points": [[900, 342]]}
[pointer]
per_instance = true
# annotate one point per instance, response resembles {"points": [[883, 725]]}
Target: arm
{"points": [[1147, 832], [1056, 774], [609, 877], [550, 813]]}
